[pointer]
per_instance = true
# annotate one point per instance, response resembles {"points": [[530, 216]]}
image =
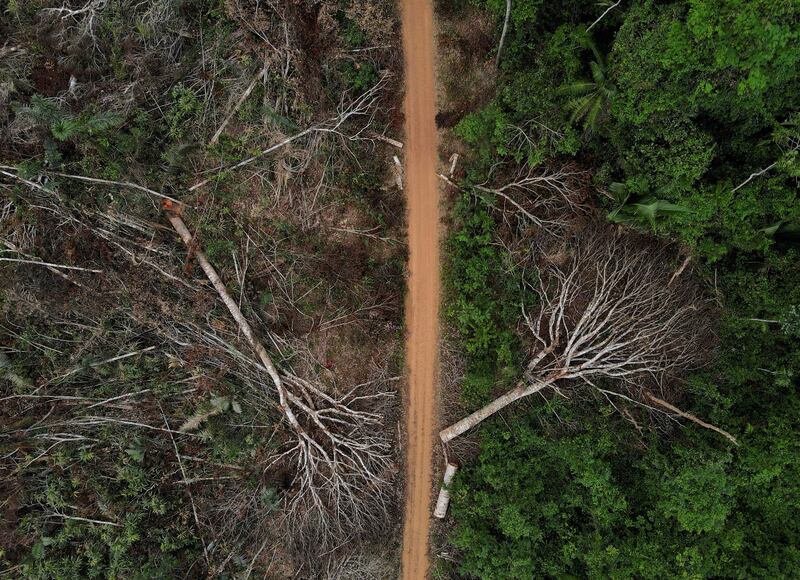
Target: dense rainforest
{"points": [[683, 119]]}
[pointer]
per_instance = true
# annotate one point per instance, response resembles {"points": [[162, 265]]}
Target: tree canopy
{"points": [[693, 110]]}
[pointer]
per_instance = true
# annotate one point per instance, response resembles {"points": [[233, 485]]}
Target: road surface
{"points": [[422, 301]]}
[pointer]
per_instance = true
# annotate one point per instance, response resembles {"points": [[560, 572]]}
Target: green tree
{"points": [[591, 98]]}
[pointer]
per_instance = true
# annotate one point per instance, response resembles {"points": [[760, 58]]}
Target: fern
{"points": [[100, 122], [65, 128], [63, 125], [42, 111]]}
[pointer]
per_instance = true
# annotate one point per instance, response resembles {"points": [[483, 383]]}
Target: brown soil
{"points": [[422, 302]]}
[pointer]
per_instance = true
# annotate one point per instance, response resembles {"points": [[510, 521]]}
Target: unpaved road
{"points": [[422, 301]]}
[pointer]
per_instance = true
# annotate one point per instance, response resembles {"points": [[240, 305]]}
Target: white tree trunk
{"points": [[247, 330], [503, 35], [444, 494], [614, 313], [341, 454], [483, 413]]}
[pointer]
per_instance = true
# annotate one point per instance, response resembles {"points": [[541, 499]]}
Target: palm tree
{"points": [[591, 97], [648, 208]]}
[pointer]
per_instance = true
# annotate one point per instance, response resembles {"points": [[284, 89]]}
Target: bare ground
{"points": [[422, 306]]}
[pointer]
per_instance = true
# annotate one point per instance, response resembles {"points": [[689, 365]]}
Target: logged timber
{"points": [[339, 450], [609, 313], [501, 402], [443, 501], [233, 308]]}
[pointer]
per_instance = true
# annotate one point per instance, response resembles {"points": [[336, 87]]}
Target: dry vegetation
{"points": [[142, 430], [466, 71]]}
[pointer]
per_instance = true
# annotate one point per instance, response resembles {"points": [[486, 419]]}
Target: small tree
{"points": [[591, 98]]}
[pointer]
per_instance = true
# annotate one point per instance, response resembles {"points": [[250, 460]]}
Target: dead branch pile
{"points": [[269, 128]]}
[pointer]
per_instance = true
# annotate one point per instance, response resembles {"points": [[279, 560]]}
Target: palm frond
{"points": [[581, 106], [577, 88], [592, 116]]}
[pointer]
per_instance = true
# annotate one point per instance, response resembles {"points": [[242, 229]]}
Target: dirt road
{"points": [[422, 302]]}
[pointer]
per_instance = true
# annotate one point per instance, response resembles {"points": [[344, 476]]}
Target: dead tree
{"points": [[83, 21], [547, 198], [363, 106], [610, 313], [339, 450]]}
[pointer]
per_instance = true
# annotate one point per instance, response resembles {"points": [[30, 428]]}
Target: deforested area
{"points": [[202, 252], [622, 280]]}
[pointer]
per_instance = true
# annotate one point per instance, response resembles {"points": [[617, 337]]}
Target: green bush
{"points": [[483, 300], [588, 501]]}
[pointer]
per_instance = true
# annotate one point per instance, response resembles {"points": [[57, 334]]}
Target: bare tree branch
{"points": [[609, 314], [753, 176], [238, 104], [361, 106], [50, 265], [691, 417], [83, 178], [603, 15], [503, 34]]}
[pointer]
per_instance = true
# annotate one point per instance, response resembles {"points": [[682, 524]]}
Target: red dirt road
{"points": [[422, 301]]}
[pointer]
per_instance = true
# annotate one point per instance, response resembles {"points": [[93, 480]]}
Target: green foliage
{"points": [[483, 301], [359, 76], [352, 33], [143, 536], [183, 111], [694, 103], [591, 504], [698, 141], [121, 475], [591, 98], [730, 59], [529, 103], [707, 141], [668, 151], [696, 494], [640, 209], [487, 131], [64, 125]]}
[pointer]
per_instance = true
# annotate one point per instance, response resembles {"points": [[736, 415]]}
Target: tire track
{"points": [[422, 300]]}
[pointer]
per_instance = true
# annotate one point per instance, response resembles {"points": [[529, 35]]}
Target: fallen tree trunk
{"points": [[247, 330], [341, 455], [520, 392], [613, 312], [443, 501]]}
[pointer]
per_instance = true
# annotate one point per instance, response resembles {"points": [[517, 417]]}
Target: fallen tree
{"points": [[610, 313], [339, 449]]}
